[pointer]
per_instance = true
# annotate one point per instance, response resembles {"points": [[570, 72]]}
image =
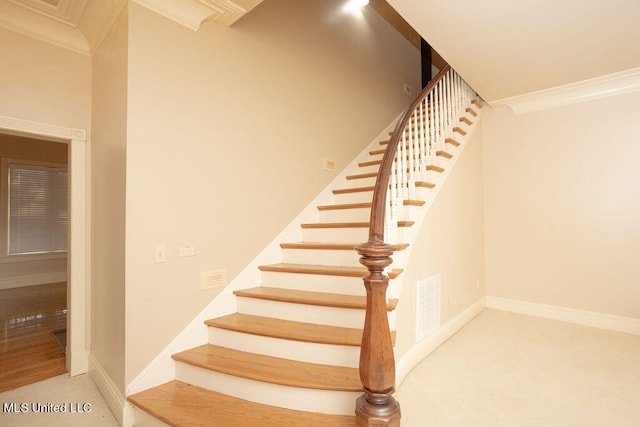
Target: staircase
{"points": [[290, 355]]}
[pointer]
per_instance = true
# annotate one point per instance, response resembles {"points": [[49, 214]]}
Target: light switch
{"points": [[160, 253]]}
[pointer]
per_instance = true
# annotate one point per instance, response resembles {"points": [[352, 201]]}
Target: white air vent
{"points": [[213, 279], [329, 165], [427, 306]]}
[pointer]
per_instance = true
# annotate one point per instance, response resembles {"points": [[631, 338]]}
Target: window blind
{"points": [[38, 209]]}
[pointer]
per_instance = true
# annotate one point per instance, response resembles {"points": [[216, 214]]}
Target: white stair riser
{"points": [[302, 399], [142, 419], [434, 177], [406, 213], [368, 169], [332, 316], [360, 182], [314, 282], [325, 354], [321, 257], [358, 197], [340, 235], [443, 162], [366, 196], [345, 215], [425, 194]]}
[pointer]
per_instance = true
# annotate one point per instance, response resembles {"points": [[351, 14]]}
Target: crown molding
{"points": [[24, 21], [191, 13], [65, 11], [81, 25], [600, 87]]}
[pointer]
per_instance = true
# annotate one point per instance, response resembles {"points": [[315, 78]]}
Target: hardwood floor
{"points": [[29, 351]]}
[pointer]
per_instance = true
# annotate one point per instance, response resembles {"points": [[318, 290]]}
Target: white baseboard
{"points": [[122, 409], [422, 349], [611, 322], [32, 279]]}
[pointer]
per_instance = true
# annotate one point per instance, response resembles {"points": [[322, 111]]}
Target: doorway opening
{"points": [[63, 288], [33, 259]]}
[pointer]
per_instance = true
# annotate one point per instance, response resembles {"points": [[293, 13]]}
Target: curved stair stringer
{"points": [[162, 368], [415, 354], [400, 258]]}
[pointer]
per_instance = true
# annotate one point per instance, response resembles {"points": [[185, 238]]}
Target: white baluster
{"points": [[441, 117], [403, 162], [449, 101], [422, 154], [432, 127], [411, 180], [392, 221]]}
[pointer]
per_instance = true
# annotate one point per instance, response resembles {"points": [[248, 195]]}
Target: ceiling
{"points": [[506, 49]]}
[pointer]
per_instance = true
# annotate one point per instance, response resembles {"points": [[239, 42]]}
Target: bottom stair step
{"points": [[180, 404]]}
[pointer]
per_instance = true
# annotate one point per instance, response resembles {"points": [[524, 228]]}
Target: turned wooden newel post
{"points": [[377, 407]]}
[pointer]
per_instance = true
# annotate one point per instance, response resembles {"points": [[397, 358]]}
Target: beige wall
{"points": [[563, 205], [32, 269], [43, 83], [108, 157], [450, 243], [227, 130]]}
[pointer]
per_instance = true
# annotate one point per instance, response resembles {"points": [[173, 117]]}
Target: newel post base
{"points": [[377, 407], [377, 411]]}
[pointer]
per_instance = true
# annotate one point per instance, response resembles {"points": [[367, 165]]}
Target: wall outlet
{"points": [[407, 89], [187, 251]]}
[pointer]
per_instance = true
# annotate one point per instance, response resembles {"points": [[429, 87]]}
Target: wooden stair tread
{"points": [[179, 404], [444, 154], [369, 163], [349, 224], [365, 205], [466, 121], [287, 329], [327, 270], [446, 141], [324, 299], [365, 189], [320, 245], [332, 246], [424, 184], [272, 370], [459, 130], [362, 175], [452, 142], [471, 111], [353, 190], [477, 103]]}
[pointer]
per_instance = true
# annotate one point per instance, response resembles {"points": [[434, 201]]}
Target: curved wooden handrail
{"points": [[376, 227], [377, 406]]}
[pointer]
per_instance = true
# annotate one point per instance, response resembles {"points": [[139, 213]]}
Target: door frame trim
{"points": [[77, 354]]}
